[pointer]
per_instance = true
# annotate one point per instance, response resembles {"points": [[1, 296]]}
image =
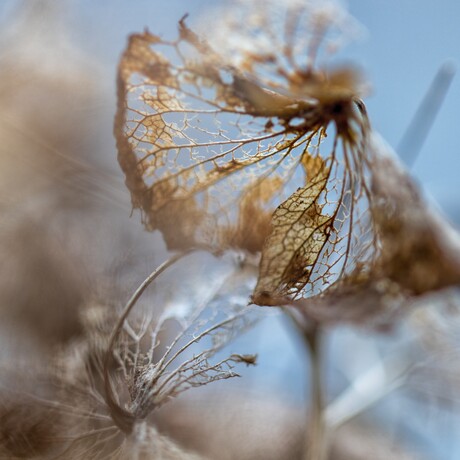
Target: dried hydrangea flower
{"points": [[206, 146], [245, 140]]}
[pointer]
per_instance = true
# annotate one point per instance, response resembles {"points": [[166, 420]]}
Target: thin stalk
{"points": [[416, 133], [316, 439], [316, 448]]}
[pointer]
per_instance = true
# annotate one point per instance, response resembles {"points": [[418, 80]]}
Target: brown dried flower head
{"points": [[242, 140], [208, 147]]}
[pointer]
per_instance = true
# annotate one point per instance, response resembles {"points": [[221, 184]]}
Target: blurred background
{"points": [[67, 238]]}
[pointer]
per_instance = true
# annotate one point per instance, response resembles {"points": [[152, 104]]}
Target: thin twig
{"points": [[416, 133], [316, 436]]}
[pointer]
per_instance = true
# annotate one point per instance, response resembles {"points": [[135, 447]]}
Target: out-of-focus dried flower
{"points": [[221, 427], [50, 179]]}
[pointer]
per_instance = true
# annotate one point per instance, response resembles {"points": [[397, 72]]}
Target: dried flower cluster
{"points": [[253, 145]]}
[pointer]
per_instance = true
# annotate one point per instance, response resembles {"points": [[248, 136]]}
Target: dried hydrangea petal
{"points": [[416, 254]]}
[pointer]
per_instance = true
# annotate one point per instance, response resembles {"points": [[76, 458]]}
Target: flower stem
{"points": [[316, 447]]}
